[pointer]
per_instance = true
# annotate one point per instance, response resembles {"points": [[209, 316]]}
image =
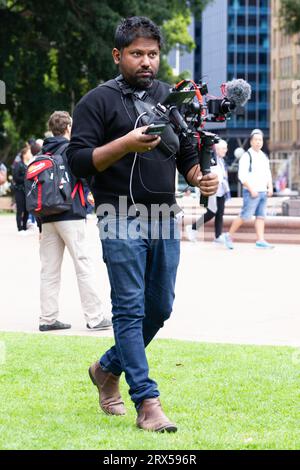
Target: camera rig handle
{"points": [[206, 153]]}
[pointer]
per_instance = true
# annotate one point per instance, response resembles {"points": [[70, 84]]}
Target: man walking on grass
{"points": [[109, 145]]}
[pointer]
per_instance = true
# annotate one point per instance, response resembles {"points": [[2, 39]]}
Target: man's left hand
{"points": [[208, 184]]}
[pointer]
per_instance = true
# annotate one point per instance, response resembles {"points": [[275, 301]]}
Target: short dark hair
{"points": [[58, 122], [136, 27]]}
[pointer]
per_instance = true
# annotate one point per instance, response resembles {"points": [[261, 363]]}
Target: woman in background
{"points": [[19, 173]]}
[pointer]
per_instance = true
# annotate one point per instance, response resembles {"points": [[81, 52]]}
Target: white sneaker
{"points": [[191, 234], [219, 240], [228, 241]]}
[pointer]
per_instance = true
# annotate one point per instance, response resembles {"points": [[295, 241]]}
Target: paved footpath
{"points": [[243, 296]]}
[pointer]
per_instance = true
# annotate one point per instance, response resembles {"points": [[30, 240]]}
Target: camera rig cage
{"points": [[188, 107]]}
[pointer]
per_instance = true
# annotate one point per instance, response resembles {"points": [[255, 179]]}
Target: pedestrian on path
{"points": [[67, 229], [255, 176], [19, 172], [216, 203], [3, 178]]}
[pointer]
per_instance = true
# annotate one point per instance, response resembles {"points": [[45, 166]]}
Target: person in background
{"points": [[255, 176], [3, 176], [216, 203], [89, 199], [66, 230], [39, 142], [19, 171], [35, 149]]}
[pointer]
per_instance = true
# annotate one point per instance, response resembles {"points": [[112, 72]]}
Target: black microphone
{"points": [[238, 91]]}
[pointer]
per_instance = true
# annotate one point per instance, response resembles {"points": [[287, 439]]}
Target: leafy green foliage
{"points": [[290, 16], [54, 52]]}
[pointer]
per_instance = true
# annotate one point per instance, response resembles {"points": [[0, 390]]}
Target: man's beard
{"points": [[142, 82]]}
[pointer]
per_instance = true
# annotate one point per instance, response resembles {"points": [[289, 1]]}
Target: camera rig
{"points": [[189, 106]]}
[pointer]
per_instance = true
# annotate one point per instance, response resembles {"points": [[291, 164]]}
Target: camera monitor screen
{"points": [[177, 98]]}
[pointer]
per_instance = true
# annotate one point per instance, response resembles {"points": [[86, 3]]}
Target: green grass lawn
{"points": [[220, 396]]}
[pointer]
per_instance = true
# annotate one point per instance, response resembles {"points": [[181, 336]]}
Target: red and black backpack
{"points": [[48, 187]]}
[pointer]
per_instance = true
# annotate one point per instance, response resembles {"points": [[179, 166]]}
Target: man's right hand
{"points": [[137, 141]]}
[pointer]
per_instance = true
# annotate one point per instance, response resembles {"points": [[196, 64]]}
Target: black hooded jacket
{"points": [[104, 115], [77, 211]]}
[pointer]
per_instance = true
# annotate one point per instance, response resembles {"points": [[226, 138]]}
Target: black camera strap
{"points": [[143, 103]]}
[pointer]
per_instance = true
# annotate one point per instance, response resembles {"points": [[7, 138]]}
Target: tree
{"points": [[54, 52], [290, 16]]}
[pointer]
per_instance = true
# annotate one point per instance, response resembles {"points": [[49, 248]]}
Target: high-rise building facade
{"points": [[285, 103], [235, 44]]}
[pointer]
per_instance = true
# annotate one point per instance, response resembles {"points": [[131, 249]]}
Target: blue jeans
{"points": [[142, 273]]}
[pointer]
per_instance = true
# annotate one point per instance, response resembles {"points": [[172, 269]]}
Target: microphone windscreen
{"points": [[238, 91]]}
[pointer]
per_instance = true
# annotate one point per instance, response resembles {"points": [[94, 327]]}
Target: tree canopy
{"points": [[54, 52], [290, 16]]}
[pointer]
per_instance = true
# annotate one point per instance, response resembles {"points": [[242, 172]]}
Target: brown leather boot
{"points": [[108, 386], [152, 418]]}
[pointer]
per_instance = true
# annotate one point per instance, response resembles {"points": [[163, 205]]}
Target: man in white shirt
{"points": [[255, 176]]}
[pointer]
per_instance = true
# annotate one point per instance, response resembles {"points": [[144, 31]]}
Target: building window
{"points": [[251, 58], [285, 99], [252, 39], [274, 69], [241, 58], [252, 20], [263, 21], [251, 115], [231, 39], [262, 59], [264, 41], [274, 37], [263, 96], [274, 101], [241, 20], [231, 58], [286, 67], [262, 116], [263, 77]]}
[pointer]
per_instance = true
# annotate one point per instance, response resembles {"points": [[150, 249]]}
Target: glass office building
{"points": [[233, 42]]}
